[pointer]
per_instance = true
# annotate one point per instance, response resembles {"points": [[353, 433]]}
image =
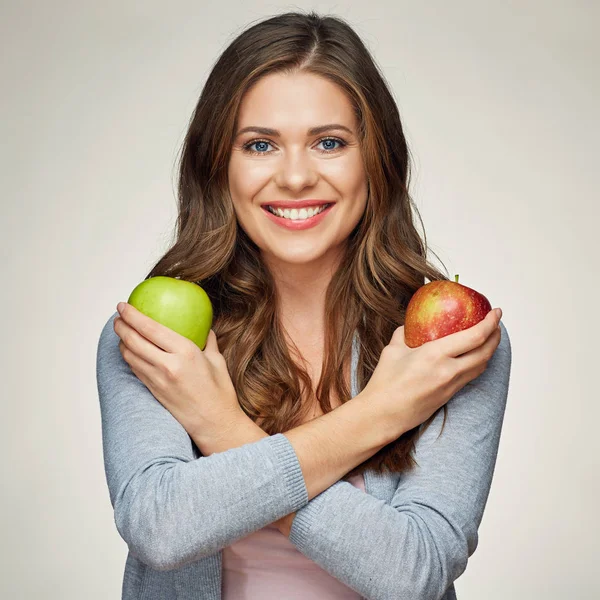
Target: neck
{"points": [[301, 290]]}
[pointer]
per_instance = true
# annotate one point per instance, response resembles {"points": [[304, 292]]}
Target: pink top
{"points": [[266, 565]]}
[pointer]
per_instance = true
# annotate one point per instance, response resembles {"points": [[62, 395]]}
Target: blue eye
{"points": [[334, 140], [263, 143], [247, 146]]}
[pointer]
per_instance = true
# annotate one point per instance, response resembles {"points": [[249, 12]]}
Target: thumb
{"points": [[211, 342], [398, 339]]}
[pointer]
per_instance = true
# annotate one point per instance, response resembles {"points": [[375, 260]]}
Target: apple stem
{"points": [[456, 278]]}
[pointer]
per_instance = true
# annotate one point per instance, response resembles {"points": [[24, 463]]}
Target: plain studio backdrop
{"points": [[499, 104]]}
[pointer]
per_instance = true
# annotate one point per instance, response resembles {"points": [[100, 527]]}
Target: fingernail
{"points": [[499, 313], [120, 307]]}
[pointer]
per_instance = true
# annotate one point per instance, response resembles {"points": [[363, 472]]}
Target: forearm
{"points": [[244, 431], [332, 445], [237, 433], [327, 447]]}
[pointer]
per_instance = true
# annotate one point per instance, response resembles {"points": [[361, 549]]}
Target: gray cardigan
{"points": [[408, 538]]}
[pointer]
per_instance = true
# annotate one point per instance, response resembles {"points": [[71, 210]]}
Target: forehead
{"points": [[294, 103]]}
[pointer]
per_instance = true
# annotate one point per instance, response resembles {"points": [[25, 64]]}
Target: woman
{"points": [[310, 418]]}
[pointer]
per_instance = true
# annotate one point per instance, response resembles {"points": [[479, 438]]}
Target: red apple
{"points": [[180, 305], [440, 308]]}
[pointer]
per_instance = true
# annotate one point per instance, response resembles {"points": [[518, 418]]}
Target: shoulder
{"points": [[493, 383], [503, 353], [108, 342], [107, 333]]}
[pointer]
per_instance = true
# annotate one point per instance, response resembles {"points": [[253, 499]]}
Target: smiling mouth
{"points": [[293, 214]]}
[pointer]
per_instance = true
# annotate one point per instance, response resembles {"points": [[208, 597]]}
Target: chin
{"points": [[301, 256]]}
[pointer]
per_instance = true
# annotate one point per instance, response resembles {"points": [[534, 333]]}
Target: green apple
{"points": [[180, 305]]}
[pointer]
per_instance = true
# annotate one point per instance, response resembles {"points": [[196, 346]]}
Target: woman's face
{"points": [[292, 164]]}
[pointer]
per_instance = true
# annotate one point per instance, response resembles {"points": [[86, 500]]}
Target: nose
{"points": [[296, 171]]}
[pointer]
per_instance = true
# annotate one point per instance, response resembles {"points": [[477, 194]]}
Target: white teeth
{"points": [[298, 215]]}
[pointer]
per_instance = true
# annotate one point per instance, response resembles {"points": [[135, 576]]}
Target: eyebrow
{"points": [[311, 131]]}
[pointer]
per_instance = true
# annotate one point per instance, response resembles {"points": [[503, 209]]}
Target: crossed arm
{"points": [[173, 510], [327, 447], [417, 544]]}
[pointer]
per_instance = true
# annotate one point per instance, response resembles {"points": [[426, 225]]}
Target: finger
{"points": [[139, 366], [157, 333], [398, 336], [474, 358], [211, 343], [472, 364], [398, 340], [137, 344], [460, 342]]}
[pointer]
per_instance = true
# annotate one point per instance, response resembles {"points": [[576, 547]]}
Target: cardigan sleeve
{"points": [[416, 546], [171, 505]]}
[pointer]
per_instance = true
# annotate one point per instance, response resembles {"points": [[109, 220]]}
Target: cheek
{"points": [[347, 175], [246, 177]]}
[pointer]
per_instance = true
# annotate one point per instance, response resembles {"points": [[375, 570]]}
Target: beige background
{"points": [[500, 106]]}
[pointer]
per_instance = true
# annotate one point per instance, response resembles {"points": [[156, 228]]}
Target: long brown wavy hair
{"points": [[385, 262]]}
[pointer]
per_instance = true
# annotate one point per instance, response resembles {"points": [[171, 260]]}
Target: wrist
{"points": [[235, 431], [389, 428], [285, 524]]}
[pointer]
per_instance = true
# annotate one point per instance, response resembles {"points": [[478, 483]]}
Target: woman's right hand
{"points": [[410, 384]]}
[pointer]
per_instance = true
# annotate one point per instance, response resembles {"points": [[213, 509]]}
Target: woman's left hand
{"points": [[193, 385]]}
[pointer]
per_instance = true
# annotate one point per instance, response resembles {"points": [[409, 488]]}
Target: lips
{"points": [[298, 204], [298, 224]]}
